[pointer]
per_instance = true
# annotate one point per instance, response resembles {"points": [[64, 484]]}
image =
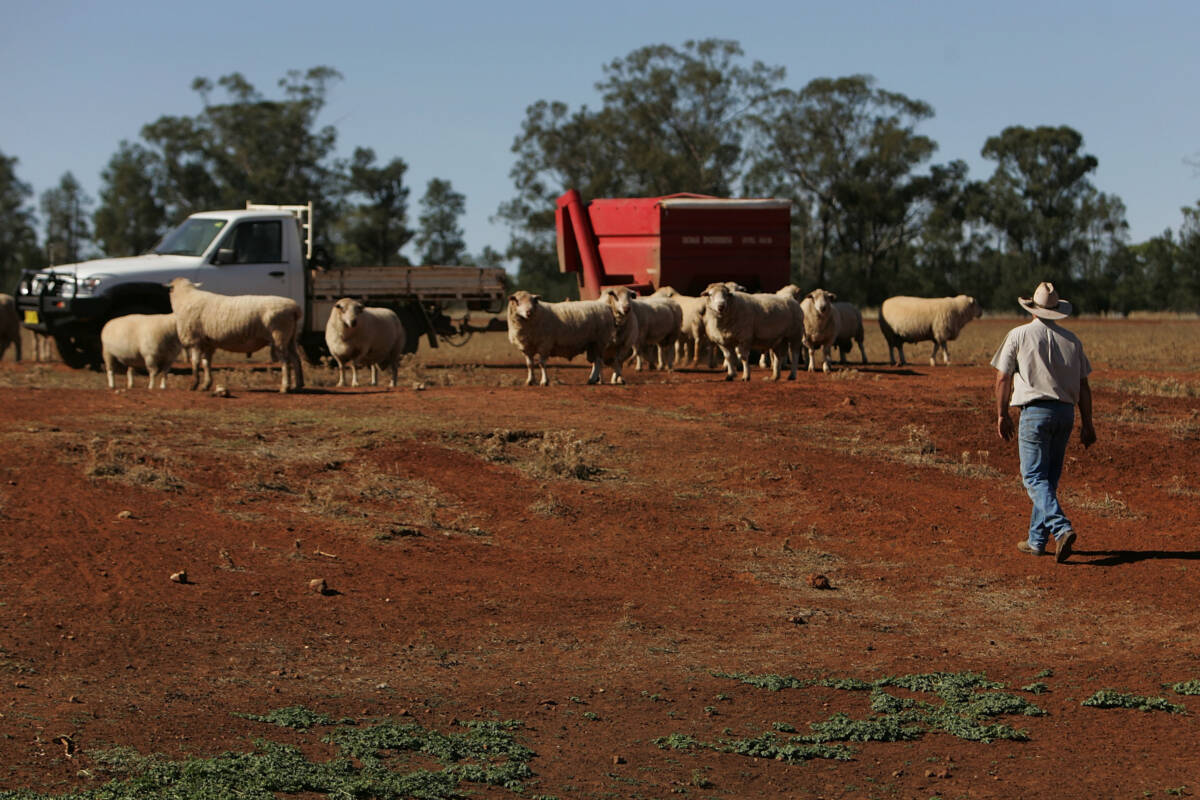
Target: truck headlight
{"points": [[88, 286]]}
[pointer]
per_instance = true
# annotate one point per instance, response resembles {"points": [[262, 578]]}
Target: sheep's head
{"points": [[181, 284], [976, 309], [620, 300], [822, 301], [791, 291], [716, 297], [349, 310], [666, 291], [523, 304]]}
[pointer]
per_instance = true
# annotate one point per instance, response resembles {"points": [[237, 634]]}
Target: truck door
{"points": [[251, 258]]}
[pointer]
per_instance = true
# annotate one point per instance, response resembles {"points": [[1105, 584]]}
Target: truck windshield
{"points": [[191, 238]]}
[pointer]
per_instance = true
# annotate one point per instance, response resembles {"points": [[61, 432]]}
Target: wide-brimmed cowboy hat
{"points": [[1045, 303]]}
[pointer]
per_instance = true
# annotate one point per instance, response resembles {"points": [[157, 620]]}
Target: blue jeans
{"points": [[1042, 438]]}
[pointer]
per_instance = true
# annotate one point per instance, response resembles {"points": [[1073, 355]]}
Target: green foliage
{"points": [[296, 717], [18, 238], [970, 703], [441, 237], [1111, 698], [65, 210], [371, 763], [1187, 687], [130, 218], [374, 226]]}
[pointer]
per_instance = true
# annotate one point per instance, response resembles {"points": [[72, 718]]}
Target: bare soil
{"points": [[596, 562]]}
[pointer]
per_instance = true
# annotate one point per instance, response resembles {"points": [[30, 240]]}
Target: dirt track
{"points": [[594, 561]]}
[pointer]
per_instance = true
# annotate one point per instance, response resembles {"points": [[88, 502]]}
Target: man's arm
{"points": [[1004, 423], [1087, 434]]}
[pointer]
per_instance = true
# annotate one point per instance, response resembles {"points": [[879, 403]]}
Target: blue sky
{"points": [[445, 85]]}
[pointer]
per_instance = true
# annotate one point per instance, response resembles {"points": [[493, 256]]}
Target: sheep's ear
{"points": [[196, 285], [831, 295], [512, 298], [705, 293], [535, 297]]}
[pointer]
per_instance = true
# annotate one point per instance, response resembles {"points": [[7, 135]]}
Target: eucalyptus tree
{"points": [[441, 236], [130, 219], [18, 237], [669, 120], [65, 209], [373, 223]]}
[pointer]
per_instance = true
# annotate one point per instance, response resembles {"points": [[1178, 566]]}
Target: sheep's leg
{"points": [[743, 354], [827, 354], [353, 374], [395, 371], [617, 378], [128, 377], [297, 367], [861, 351], [773, 357], [812, 366], [341, 372], [900, 350], [946, 353], [374, 375], [108, 371], [732, 365], [542, 365], [528, 371]]}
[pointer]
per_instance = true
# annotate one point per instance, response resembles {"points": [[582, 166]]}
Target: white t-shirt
{"points": [[1047, 362]]}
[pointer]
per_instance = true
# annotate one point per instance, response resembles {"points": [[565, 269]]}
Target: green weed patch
{"points": [[374, 760], [1111, 698], [969, 707]]}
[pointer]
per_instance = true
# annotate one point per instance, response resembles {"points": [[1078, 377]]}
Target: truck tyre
{"points": [[79, 347]]}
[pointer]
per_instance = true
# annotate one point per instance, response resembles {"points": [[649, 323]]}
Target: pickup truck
{"points": [[262, 249]]}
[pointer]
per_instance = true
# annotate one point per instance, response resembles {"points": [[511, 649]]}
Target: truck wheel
{"points": [[79, 349]]}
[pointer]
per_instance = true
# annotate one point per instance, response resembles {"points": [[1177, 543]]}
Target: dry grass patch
{"points": [[547, 454], [130, 463]]}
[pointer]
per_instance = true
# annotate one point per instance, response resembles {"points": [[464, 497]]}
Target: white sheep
{"points": [[145, 341], [541, 330], [10, 328], [738, 322], [659, 321], [850, 330], [364, 336], [820, 326], [692, 341], [625, 332], [919, 319], [207, 322]]}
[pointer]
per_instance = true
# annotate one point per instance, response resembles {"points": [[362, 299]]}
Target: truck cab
{"points": [[257, 250]]}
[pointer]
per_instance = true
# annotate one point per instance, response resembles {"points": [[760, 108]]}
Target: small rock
{"points": [[318, 586], [618, 759], [125, 515], [796, 619], [179, 577], [818, 581], [849, 401], [221, 391], [419, 386]]}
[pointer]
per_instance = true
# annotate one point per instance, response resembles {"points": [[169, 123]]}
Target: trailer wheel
{"points": [[414, 327]]}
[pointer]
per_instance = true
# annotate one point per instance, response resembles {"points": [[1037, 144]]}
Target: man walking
{"points": [[1041, 368]]}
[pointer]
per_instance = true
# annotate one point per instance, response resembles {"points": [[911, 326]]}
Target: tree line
{"points": [[873, 213]]}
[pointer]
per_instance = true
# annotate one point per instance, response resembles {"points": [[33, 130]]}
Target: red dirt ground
{"points": [[689, 554]]}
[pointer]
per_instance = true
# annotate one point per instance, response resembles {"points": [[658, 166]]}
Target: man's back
{"points": [[1046, 360]]}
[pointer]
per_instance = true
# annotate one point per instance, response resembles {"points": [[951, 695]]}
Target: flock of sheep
{"points": [[620, 327], [784, 326]]}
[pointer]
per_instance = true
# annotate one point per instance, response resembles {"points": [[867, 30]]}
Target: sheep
{"points": [[736, 322], [692, 339], [10, 329], [919, 319], [541, 330], [625, 333], [358, 335], [659, 321], [148, 341], [241, 324], [850, 330]]}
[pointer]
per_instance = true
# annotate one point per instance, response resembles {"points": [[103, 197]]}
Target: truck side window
{"points": [[258, 242]]}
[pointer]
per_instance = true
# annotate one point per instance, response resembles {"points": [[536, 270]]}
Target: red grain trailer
{"points": [[685, 241]]}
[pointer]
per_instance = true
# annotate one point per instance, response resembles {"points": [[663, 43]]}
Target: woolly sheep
{"points": [[207, 322], [919, 319], [10, 328], [541, 330], [850, 330], [625, 333], [692, 341], [146, 341], [737, 322], [363, 336], [659, 321]]}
